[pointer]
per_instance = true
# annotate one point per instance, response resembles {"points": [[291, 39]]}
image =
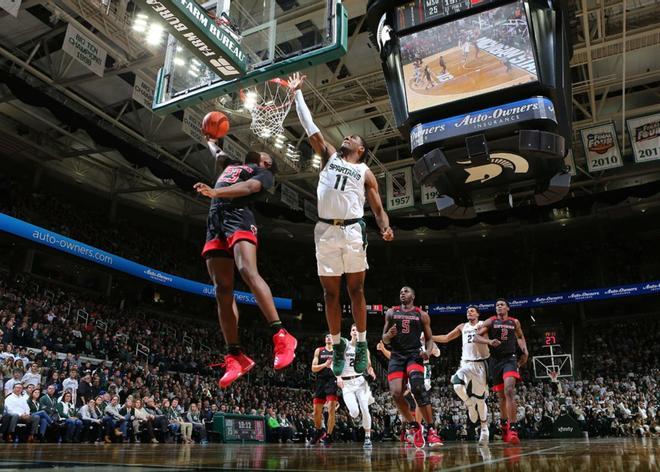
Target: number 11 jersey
{"points": [[340, 191]]}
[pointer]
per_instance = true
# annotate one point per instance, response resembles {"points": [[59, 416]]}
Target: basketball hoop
{"points": [[268, 103]]}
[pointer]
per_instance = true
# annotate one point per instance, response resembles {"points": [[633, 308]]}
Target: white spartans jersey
{"points": [[349, 365], [473, 351], [340, 192]]}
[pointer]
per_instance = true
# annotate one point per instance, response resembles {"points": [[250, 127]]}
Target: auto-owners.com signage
{"points": [[197, 32], [536, 108]]}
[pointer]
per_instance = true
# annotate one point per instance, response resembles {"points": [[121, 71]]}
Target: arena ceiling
{"points": [[348, 95]]}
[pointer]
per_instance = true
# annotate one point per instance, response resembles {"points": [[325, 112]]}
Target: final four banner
{"points": [[645, 137], [601, 147], [563, 298], [62, 243], [399, 188]]}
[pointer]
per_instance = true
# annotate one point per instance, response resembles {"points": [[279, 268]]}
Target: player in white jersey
{"points": [[345, 182], [355, 388], [471, 379]]}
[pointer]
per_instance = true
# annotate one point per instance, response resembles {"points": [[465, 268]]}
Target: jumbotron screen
{"points": [[477, 54]]}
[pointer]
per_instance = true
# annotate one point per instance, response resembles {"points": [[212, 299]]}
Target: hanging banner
{"points": [[310, 210], [143, 93], [399, 189], [235, 150], [569, 161], [645, 137], [84, 50], [192, 125], [289, 197], [11, 6], [601, 147], [429, 194], [98, 256]]}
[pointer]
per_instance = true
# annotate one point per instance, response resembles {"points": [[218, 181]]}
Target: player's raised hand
{"points": [[296, 80], [387, 233], [204, 189]]}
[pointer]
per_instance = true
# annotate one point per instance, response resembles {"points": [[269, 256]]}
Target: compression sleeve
{"points": [[304, 115]]}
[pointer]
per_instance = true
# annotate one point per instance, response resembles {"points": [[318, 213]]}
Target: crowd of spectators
{"points": [[101, 390]]}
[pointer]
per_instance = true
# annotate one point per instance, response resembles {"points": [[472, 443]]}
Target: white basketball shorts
{"points": [[340, 249]]}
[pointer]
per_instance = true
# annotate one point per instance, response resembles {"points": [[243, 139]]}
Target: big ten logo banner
{"points": [[645, 137], [399, 188], [601, 147]]}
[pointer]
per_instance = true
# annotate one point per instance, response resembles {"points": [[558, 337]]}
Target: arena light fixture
{"points": [[155, 34], [178, 61]]}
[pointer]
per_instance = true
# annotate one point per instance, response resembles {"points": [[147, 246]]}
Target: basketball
{"points": [[215, 124]]}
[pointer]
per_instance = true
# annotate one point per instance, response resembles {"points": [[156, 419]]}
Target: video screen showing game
{"points": [[471, 56]]}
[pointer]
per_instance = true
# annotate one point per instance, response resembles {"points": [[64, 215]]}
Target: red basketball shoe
{"points": [[235, 367], [284, 349], [512, 436], [432, 439], [418, 436]]}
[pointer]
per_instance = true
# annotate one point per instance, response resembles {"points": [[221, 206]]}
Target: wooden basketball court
{"points": [[613, 454], [483, 72]]}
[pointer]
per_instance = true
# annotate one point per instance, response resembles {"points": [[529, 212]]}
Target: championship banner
{"points": [[564, 298], [311, 212], [289, 197], [143, 93], [429, 194], [601, 147], [58, 242], [537, 108], [399, 186], [192, 125], [569, 161], [645, 137], [189, 23], [235, 150], [11, 6], [84, 50]]}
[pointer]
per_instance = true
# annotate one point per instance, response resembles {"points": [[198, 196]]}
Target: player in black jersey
{"points": [[403, 328], [326, 390], [506, 337], [231, 239]]}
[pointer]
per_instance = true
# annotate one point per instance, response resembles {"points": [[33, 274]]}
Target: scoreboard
{"points": [[419, 12], [240, 428]]}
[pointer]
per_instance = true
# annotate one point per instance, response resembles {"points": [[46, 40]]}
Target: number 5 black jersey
{"points": [[409, 330]]}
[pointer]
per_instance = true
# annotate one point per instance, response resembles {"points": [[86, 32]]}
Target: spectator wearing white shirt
{"points": [[17, 411], [32, 376], [71, 384], [16, 379]]}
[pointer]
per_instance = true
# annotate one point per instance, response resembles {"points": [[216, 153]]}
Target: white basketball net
{"points": [[268, 103]]}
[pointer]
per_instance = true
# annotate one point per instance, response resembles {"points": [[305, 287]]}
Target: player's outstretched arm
{"points": [[316, 139], [218, 154], [376, 205], [237, 190], [522, 344], [450, 336]]}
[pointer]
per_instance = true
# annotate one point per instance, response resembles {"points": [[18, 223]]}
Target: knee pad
{"points": [[417, 387]]}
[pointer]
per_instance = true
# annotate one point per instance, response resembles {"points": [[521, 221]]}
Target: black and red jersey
{"points": [[326, 373], [235, 173], [409, 329], [505, 331]]}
